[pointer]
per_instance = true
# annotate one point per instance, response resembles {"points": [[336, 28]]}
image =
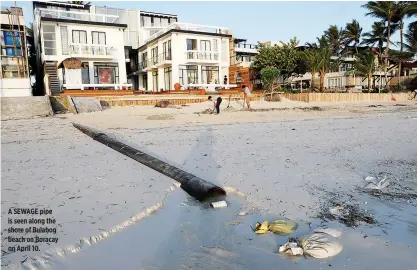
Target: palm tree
{"points": [[334, 38], [352, 33], [385, 10], [365, 66], [405, 9], [312, 60], [411, 38], [377, 35]]}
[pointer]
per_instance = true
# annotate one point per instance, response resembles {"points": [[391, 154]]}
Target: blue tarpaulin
{"points": [[8, 41]]}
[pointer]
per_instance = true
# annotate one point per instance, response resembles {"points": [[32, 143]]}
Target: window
{"points": [[191, 44], [85, 73], [205, 45], [79, 36], [106, 73], [49, 39], [188, 74], [168, 78], [98, 38], [167, 50], [142, 21], [215, 45], [145, 81], [155, 81], [11, 71], [210, 74], [154, 55], [64, 40]]}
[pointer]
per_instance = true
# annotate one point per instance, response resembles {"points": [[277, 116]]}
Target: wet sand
{"points": [[284, 161]]}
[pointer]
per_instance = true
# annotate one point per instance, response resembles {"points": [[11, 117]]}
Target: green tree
{"points": [[405, 9], [283, 57], [312, 62], [411, 38], [325, 64], [365, 65], [385, 10], [334, 38], [352, 33], [269, 78]]}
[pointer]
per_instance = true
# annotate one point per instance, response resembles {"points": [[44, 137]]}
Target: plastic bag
{"points": [[282, 226], [320, 245], [261, 228]]}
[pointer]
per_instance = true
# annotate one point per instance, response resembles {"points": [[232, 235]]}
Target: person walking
{"points": [[247, 94]]}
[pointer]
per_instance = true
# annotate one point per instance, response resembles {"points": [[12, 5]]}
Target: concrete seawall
{"points": [[25, 107]]}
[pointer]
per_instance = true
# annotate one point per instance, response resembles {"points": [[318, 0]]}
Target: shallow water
{"points": [[186, 234]]}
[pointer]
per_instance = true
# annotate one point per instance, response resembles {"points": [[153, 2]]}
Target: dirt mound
{"points": [[160, 117]]}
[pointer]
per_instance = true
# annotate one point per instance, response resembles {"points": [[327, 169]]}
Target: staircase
{"points": [[51, 70]]}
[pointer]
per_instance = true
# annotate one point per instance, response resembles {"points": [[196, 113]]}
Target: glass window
{"points": [[98, 37], [49, 43], [79, 36], [106, 73], [168, 78], [210, 74], [155, 81], [188, 74], [191, 44], [85, 73], [215, 45], [205, 45]]}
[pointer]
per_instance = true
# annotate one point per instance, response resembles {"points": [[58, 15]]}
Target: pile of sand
{"points": [[160, 117]]}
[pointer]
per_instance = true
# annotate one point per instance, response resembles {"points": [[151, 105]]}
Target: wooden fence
{"points": [[346, 97]]}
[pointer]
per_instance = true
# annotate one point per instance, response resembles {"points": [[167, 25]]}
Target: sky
{"points": [[254, 21]]}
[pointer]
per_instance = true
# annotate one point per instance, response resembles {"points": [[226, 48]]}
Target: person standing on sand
{"points": [[247, 94]]}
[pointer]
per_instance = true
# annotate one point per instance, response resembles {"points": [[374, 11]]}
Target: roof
{"points": [[238, 40], [183, 31], [157, 14], [60, 4], [83, 22]]}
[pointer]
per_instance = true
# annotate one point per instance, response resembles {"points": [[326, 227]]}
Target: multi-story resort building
{"points": [[193, 56], [82, 46], [15, 80]]}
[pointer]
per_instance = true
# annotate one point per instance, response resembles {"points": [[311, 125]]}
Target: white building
{"points": [[94, 36], [15, 81], [195, 56]]}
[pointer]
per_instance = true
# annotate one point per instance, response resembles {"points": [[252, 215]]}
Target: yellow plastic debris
{"points": [[261, 228], [282, 226]]}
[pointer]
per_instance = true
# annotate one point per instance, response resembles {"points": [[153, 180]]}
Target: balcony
{"points": [[190, 27], [246, 48], [91, 51], [164, 59], [79, 16], [202, 56]]}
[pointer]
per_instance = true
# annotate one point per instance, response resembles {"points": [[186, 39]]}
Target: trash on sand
{"points": [[375, 183], [282, 226], [317, 245], [320, 245], [279, 226], [261, 228], [291, 248], [219, 204], [242, 213], [349, 215]]}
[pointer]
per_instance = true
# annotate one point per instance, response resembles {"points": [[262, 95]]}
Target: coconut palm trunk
{"points": [[369, 82], [321, 81]]}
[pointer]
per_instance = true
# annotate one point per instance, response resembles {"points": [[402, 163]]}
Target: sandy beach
{"points": [[284, 157]]}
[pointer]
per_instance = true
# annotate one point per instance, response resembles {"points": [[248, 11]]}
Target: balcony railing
{"points": [[246, 46], [190, 27], [79, 16], [202, 55], [91, 49]]}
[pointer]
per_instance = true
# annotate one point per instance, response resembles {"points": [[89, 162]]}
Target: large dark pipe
{"points": [[193, 185]]}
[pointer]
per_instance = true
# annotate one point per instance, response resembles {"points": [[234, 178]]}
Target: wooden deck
{"points": [[100, 93]]}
